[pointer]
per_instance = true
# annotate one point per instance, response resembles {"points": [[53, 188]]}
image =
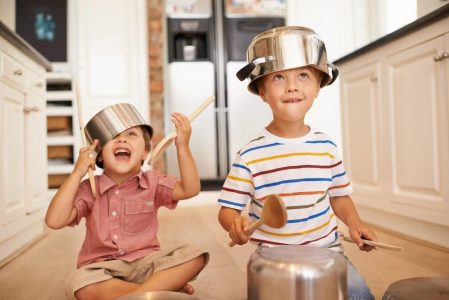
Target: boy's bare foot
{"points": [[188, 289]]}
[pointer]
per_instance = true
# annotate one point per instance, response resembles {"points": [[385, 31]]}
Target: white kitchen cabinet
{"points": [[35, 148], [395, 106], [362, 143], [23, 178], [416, 103], [13, 158]]}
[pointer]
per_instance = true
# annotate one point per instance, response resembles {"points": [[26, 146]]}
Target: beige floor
{"points": [[40, 272]]}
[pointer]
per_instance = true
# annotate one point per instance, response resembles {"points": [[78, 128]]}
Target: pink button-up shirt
{"points": [[122, 222]]}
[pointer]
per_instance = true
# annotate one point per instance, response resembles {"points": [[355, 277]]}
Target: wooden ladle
{"points": [[274, 214]]}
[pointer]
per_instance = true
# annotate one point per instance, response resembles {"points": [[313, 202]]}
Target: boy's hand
{"points": [[237, 231], [86, 159], [360, 232], [183, 128]]}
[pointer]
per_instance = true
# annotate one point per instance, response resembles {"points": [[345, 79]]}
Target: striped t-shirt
{"points": [[304, 171]]}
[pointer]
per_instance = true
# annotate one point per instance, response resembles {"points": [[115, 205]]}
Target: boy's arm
{"points": [[61, 211], [189, 183], [345, 210], [235, 224]]}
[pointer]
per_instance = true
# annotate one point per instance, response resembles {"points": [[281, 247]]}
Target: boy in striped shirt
{"points": [[289, 158]]}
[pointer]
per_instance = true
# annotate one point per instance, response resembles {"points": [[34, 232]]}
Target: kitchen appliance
{"points": [[297, 272], [207, 41]]}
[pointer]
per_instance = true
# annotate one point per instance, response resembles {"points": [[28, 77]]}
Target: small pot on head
{"points": [[111, 121]]}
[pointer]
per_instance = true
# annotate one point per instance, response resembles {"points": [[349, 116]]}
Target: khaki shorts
{"points": [[137, 271]]}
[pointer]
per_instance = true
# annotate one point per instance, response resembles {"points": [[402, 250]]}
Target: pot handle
{"points": [[334, 71], [244, 72]]}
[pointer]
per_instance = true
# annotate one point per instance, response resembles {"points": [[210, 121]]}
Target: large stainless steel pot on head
{"points": [[297, 272], [284, 48]]}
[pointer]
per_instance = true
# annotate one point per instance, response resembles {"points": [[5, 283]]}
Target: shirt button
{"points": [[117, 192], [115, 237], [121, 252], [114, 213]]}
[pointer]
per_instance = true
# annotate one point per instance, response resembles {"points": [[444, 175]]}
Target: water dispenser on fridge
{"points": [[190, 79]]}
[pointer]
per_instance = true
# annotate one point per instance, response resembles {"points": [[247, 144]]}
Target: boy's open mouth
{"points": [[122, 153]]}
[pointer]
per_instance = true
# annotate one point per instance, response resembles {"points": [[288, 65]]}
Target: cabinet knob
{"points": [[18, 72], [373, 78], [441, 56], [28, 109]]}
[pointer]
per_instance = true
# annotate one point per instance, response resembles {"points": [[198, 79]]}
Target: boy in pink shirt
{"points": [[121, 253]]}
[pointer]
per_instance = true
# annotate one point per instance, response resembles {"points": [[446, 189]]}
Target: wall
{"points": [[8, 13], [426, 6], [156, 47]]}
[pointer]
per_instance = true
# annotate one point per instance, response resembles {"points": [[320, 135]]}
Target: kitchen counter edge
{"points": [[23, 46]]}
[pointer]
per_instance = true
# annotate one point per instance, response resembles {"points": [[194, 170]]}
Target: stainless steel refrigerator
{"points": [[207, 41]]}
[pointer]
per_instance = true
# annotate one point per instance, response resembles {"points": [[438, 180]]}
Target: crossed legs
{"points": [[172, 279]]}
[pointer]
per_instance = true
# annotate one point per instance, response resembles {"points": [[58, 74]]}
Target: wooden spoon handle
{"points": [[165, 142], [250, 230], [375, 244], [83, 137]]}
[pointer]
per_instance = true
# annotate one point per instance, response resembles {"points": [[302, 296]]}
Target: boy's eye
{"points": [[278, 77], [303, 75]]}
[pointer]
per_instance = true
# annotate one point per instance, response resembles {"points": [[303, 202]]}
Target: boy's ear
{"points": [[261, 93], [145, 154]]}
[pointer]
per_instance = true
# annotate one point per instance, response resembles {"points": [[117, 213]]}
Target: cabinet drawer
{"points": [[35, 83], [59, 123], [56, 180], [13, 71], [63, 152]]}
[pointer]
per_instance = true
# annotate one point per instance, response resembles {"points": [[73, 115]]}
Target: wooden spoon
{"points": [[83, 136], [166, 141], [274, 214], [375, 244]]}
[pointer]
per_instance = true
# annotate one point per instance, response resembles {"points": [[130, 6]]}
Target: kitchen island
{"points": [[395, 115]]}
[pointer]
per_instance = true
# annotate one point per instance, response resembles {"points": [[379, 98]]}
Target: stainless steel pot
{"points": [[158, 296], [113, 120], [297, 272], [286, 48]]}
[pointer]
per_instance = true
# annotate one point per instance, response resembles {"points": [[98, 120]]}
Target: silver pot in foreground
{"points": [[297, 273]]}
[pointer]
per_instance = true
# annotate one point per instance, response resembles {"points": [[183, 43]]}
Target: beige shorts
{"points": [[137, 271]]}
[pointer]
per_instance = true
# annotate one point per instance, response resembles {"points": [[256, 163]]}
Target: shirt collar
{"points": [[105, 183]]}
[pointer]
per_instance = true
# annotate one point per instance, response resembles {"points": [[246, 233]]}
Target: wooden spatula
{"points": [[168, 140], [274, 214]]}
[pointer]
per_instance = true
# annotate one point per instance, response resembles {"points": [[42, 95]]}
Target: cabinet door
{"points": [[418, 130], [12, 181], [362, 132], [36, 152]]}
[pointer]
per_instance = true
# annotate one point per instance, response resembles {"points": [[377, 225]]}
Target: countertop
{"points": [[418, 23], [23, 46]]}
